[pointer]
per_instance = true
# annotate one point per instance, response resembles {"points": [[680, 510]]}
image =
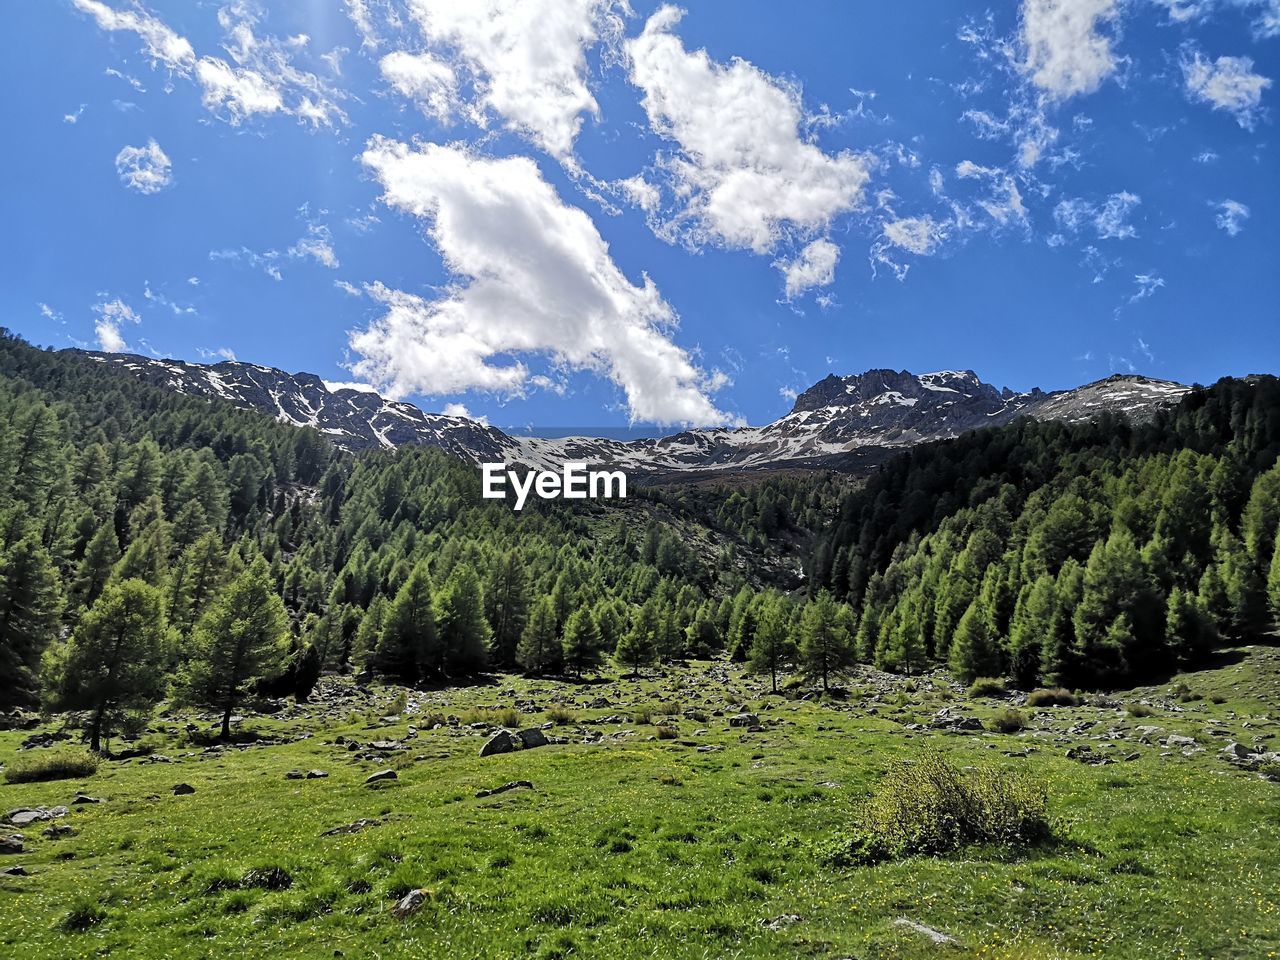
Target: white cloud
{"points": [[111, 315], [257, 76], [460, 410], [1231, 216], [918, 235], [145, 169], [350, 289], [266, 262], [222, 353], [1227, 83], [1065, 51], [333, 386], [424, 79], [814, 267], [1004, 205], [318, 245], [1110, 219], [161, 300], [74, 118], [533, 276], [525, 61], [1148, 284], [743, 175]]}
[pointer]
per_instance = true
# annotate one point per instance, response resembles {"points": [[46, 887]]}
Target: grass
{"points": [[684, 853], [491, 716], [57, 764]]}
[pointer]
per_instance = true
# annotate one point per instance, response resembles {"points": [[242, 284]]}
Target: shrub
{"points": [[642, 715], [1138, 710], [1055, 697], [987, 687], [666, 732], [561, 716], [1008, 721], [399, 704], [1182, 692], [84, 913], [493, 716], [931, 807], [51, 765]]}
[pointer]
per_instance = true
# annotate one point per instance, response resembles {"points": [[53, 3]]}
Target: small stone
{"points": [[182, 789], [317, 774], [513, 785], [10, 845], [58, 830], [382, 775], [744, 720], [294, 775], [81, 798], [411, 903], [937, 936], [14, 872], [355, 827], [532, 737]]}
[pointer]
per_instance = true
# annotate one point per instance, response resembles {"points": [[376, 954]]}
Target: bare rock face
{"points": [[850, 423]]}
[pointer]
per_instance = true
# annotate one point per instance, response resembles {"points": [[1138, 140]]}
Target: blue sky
{"points": [[578, 213]]}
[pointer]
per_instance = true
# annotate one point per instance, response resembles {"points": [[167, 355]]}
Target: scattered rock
{"points": [[513, 785], [744, 720], [182, 789], [1175, 740], [14, 872], [294, 775], [24, 816], [937, 936], [58, 830], [81, 798], [500, 742], [317, 774], [532, 737], [944, 719], [10, 845], [382, 775], [355, 827], [778, 923], [411, 903]]}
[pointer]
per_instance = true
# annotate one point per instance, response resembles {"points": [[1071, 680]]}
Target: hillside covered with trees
{"points": [[154, 545]]}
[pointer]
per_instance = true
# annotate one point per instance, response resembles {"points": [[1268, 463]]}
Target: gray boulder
{"points": [[501, 742], [382, 775]]}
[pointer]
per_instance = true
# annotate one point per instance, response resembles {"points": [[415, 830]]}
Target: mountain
{"points": [[840, 422]]}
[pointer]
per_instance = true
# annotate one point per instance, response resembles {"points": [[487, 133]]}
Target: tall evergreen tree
{"points": [[824, 642], [540, 651], [463, 631], [30, 605], [773, 647], [242, 637], [409, 644], [582, 645], [114, 661], [507, 606]]}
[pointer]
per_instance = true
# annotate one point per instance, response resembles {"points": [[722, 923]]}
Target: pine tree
{"points": [[973, 652], [773, 647], [1031, 628], [1188, 627], [113, 663], [507, 607], [30, 605], [637, 646], [242, 637], [824, 643], [409, 644], [463, 631], [368, 632], [100, 558], [540, 651], [582, 644], [197, 577], [1273, 582]]}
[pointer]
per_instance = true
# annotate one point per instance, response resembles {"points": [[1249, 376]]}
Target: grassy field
{"points": [[630, 844]]}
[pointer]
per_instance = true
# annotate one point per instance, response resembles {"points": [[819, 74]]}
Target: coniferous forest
{"points": [[160, 546]]}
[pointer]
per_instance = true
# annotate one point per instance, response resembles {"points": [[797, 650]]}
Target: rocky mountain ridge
{"points": [[839, 422]]}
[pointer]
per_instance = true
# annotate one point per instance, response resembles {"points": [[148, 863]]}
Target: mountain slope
{"points": [[839, 422]]}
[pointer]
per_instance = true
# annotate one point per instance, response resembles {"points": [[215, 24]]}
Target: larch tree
{"points": [[114, 662], [242, 637]]}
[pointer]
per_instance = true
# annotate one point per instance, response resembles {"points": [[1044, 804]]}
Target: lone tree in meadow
{"points": [[114, 662], [243, 637], [824, 640]]}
